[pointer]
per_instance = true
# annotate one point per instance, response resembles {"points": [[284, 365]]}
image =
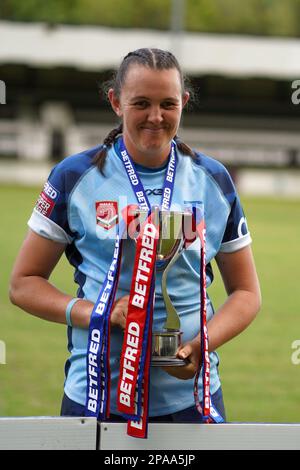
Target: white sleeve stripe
{"points": [[237, 244], [47, 228]]}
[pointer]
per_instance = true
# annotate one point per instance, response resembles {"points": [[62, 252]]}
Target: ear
{"points": [[115, 102], [185, 98]]}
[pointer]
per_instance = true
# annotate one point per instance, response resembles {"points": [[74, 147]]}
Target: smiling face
{"points": [[150, 106]]}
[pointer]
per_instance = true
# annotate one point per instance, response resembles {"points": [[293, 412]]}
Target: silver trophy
{"points": [[174, 228]]}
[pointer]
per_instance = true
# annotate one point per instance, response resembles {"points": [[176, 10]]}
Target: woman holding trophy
{"points": [[139, 218]]}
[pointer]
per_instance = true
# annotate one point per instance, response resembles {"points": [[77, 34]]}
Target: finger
{"points": [[122, 299], [118, 318], [122, 322]]}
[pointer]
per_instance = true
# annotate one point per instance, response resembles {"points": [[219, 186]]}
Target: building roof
{"points": [[98, 48]]}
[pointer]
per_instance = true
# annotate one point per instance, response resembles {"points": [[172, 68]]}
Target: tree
{"points": [[259, 17]]}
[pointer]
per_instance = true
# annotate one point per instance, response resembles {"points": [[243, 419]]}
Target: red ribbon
{"points": [[205, 409], [132, 350]]}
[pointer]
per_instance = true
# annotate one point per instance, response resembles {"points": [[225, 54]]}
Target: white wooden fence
{"points": [[50, 433]]}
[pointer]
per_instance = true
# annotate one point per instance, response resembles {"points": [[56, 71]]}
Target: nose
{"points": [[155, 115]]}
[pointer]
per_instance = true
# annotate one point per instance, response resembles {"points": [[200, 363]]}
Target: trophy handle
{"points": [[172, 320]]}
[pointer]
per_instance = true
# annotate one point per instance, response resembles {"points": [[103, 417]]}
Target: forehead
{"points": [[144, 81]]}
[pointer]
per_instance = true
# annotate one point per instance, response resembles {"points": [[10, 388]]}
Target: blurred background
{"points": [[243, 62]]}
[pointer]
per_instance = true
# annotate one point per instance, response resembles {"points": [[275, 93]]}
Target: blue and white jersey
{"points": [[81, 207]]}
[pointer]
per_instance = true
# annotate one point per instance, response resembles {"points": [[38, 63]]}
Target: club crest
{"points": [[106, 214]]}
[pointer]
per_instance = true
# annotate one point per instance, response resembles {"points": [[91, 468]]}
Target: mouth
{"points": [[153, 129]]}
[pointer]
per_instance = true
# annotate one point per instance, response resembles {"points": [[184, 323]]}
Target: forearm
{"points": [[233, 317], [39, 297]]}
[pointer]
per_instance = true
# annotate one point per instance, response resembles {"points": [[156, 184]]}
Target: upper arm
{"points": [[38, 256], [238, 271]]}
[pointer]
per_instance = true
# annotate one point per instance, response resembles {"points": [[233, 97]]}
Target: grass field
{"points": [[260, 383]]}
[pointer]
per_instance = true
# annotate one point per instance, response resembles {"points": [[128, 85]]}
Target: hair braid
{"points": [[100, 156], [184, 148]]}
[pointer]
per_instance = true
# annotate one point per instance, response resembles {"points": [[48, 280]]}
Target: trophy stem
{"points": [[172, 320]]}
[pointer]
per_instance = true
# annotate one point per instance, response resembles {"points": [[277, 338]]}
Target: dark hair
{"points": [[152, 58]]}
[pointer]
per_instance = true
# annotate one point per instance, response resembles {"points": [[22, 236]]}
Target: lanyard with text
{"points": [[208, 411], [97, 364], [133, 386], [98, 369], [137, 185]]}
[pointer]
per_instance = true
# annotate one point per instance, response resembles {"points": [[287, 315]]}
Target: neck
{"points": [[149, 159]]}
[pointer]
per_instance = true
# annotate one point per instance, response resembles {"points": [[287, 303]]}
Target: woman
{"points": [[78, 213]]}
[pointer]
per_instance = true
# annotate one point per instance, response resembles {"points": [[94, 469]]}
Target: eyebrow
{"points": [[148, 99]]}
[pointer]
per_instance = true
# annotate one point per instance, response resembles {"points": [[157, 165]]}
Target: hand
{"points": [[192, 354], [119, 312], [82, 311]]}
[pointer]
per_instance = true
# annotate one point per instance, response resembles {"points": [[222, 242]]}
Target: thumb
{"points": [[185, 351]]}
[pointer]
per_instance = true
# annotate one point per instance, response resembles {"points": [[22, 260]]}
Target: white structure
{"points": [[90, 49], [100, 48], [73, 433]]}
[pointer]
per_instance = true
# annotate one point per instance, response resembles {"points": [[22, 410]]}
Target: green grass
{"points": [[31, 380], [260, 383]]}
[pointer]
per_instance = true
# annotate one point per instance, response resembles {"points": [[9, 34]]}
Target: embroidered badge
{"points": [[47, 199], [106, 214]]}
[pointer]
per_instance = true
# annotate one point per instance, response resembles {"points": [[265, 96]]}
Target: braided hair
{"points": [[152, 58]]}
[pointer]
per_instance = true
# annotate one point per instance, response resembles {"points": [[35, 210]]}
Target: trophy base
{"points": [[167, 362], [164, 349]]}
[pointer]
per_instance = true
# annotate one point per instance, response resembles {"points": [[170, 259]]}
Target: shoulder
{"points": [[217, 172], [213, 168], [78, 162], [67, 172], [50, 217]]}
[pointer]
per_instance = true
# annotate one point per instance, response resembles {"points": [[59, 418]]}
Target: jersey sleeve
{"points": [[227, 216], [50, 215], [236, 235]]}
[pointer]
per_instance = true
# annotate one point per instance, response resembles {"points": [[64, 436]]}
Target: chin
{"points": [[154, 151], [155, 146]]}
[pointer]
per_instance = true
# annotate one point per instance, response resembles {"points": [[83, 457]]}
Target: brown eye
{"points": [[141, 104], [168, 105]]}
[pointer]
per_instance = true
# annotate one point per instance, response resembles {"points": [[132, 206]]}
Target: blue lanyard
{"points": [[98, 341], [137, 185]]}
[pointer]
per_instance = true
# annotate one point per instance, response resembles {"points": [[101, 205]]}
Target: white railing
{"points": [[84, 433], [48, 433], [32, 142]]}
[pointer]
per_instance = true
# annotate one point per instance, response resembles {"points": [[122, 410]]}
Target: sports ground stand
{"points": [[246, 113]]}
